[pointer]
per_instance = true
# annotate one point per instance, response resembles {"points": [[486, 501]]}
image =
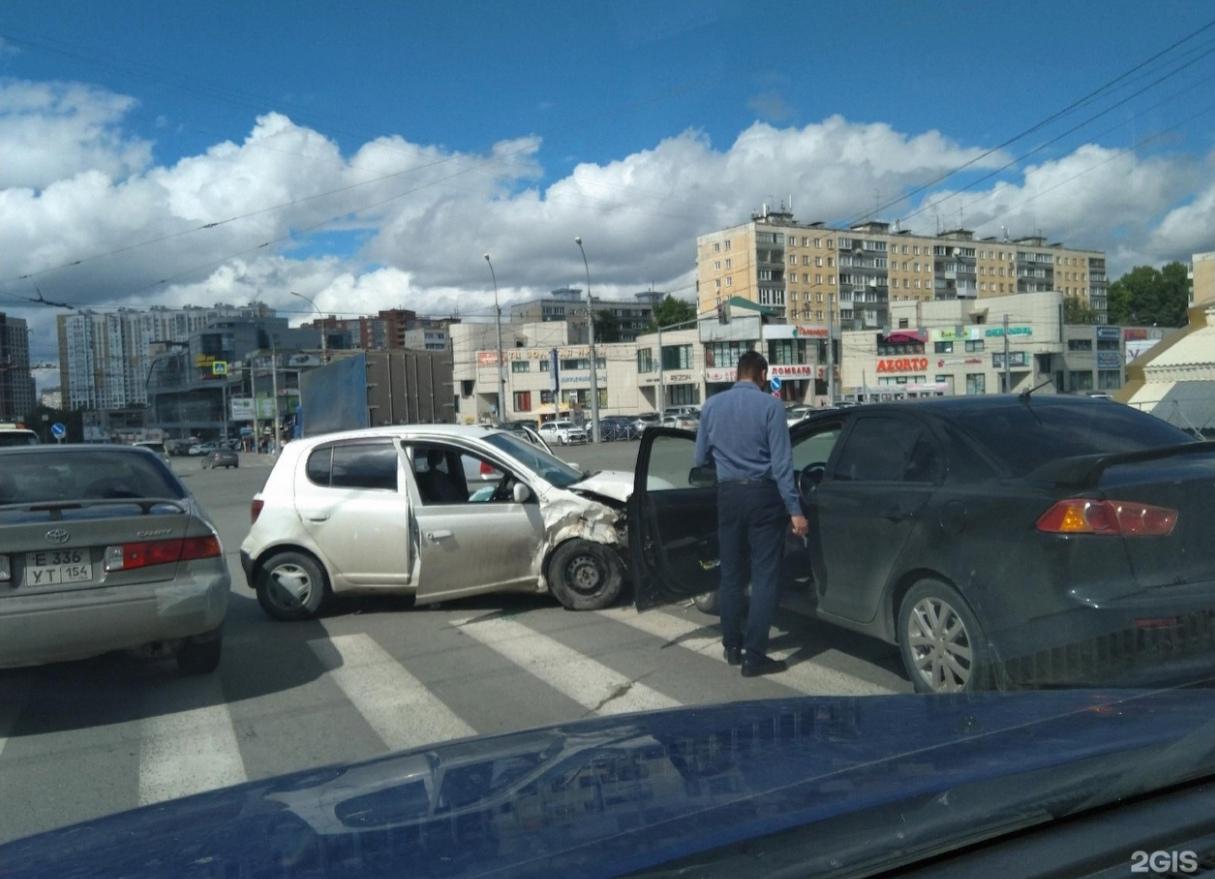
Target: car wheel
{"points": [[941, 640], [291, 586], [200, 655], [585, 576], [707, 603]]}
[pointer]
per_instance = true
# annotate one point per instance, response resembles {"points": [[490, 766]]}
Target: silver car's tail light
{"points": [[128, 556]]}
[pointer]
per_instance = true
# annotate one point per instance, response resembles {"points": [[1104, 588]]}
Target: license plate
{"points": [[55, 566]]}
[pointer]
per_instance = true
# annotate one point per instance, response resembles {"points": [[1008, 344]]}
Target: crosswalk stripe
{"points": [[11, 707], [805, 677], [191, 751], [399, 707], [591, 684]]}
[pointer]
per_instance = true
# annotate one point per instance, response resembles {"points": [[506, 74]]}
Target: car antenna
{"points": [[1024, 395]]}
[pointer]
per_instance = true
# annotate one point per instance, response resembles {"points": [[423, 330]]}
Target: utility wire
{"points": [[1037, 126]]}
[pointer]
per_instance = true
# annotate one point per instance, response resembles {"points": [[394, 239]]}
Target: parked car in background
{"points": [[391, 510], [103, 549], [566, 433], [649, 419], [684, 421], [794, 414], [1007, 540], [677, 411], [155, 446], [226, 458]]}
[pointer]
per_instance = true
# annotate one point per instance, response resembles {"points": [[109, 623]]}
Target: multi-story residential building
{"points": [[389, 329], [16, 382], [104, 357], [852, 276], [568, 304]]}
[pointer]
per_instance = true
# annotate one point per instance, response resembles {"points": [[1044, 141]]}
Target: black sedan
{"points": [[998, 541]]}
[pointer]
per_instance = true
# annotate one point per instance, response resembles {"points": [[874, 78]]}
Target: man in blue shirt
{"points": [[743, 433]]}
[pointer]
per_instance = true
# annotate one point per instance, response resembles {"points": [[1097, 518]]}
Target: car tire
{"points": [[934, 606], [300, 571], [200, 655], [583, 575], [707, 602]]}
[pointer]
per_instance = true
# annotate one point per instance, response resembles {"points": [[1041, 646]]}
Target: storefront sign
{"points": [[902, 364], [794, 331], [489, 358], [1135, 333], [943, 362], [998, 332], [1109, 360], [719, 375], [804, 370], [957, 334], [677, 378], [569, 381], [1113, 333]]}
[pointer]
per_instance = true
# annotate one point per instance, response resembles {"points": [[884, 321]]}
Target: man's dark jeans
{"points": [[751, 525]]}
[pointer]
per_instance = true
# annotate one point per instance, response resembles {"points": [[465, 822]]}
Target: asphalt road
{"points": [[84, 739]]}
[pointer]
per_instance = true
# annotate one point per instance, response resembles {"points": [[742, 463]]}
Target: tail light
{"points": [[1124, 518], [255, 509], [487, 469], [129, 556]]}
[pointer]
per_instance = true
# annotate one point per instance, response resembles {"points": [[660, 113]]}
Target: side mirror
{"points": [[702, 477], [520, 493]]}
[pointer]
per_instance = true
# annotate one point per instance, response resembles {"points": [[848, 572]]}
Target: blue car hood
{"points": [[855, 778]]}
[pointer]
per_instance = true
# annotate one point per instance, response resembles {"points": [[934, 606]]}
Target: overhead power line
{"points": [[1037, 126]]}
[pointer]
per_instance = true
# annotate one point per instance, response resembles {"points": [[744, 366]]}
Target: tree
{"points": [[1150, 296], [671, 311], [607, 327], [1076, 312]]}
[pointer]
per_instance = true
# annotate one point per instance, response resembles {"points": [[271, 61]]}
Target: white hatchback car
{"points": [[391, 510]]}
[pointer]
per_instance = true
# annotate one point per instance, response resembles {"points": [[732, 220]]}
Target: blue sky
{"points": [[636, 125], [597, 81]]}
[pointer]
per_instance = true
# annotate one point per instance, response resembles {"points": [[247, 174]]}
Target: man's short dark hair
{"points": [[751, 366]]}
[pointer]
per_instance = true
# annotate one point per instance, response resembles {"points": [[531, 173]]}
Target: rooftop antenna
{"points": [[961, 216], [877, 202], [938, 216]]}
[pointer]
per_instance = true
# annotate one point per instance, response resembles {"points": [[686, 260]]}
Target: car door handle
{"points": [[895, 514], [436, 536], [318, 517]]}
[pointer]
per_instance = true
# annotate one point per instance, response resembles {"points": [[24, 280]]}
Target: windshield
{"points": [[783, 409], [550, 468]]}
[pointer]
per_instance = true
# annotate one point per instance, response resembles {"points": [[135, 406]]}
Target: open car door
{"points": [[672, 521]]}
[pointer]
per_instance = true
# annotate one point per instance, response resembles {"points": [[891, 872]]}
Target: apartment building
{"points": [[569, 304], [16, 382], [388, 329], [104, 357], [852, 276]]}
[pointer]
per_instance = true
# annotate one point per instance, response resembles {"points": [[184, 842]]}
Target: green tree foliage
{"points": [[1076, 312], [672, 311], [1149, 296], [607, 327]]}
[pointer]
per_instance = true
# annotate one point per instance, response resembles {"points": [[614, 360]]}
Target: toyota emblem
{"points": [[58, 535]]}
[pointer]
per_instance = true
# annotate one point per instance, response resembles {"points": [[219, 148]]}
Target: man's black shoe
{"points": [[734, 655], [752, 666]]}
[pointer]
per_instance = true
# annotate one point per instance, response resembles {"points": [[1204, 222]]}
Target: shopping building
{"points": [[854, 277], [568, 305]]}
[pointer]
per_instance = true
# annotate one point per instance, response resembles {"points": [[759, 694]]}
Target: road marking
{"points": [[11, 707], [591, 684], [805, 677], [399, 707], [191, 751]]}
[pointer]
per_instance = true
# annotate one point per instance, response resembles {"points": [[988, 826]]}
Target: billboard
{"points": [[334, 397]]}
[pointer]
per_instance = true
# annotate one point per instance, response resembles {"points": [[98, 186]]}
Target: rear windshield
{"points": [[1024, 437], [36, 477], [159, 448]]}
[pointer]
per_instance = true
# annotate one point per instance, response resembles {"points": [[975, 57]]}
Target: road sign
{"points": [[219, 367], [59, 430], [774, 381]]}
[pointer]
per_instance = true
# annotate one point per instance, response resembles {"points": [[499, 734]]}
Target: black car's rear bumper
{"points": [[1164, 636]]}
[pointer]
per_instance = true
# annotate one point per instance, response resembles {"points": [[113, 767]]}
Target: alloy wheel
{"points": [[940, 645]]}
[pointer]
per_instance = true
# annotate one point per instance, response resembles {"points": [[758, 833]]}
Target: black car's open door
{"points": [[672, 521]]}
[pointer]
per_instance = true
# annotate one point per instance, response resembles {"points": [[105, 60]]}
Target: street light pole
{"points": [[501, 361], [274, 389], [590, 307], [324, 347]]}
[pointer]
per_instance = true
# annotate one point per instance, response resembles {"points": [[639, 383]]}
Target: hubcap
{"points": [[292, 586], [584, 574], [940, 645]]}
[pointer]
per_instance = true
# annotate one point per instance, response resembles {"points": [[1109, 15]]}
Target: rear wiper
{"points": [[1024, 395]]}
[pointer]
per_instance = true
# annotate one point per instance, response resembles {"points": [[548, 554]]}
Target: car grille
{"points": [[1107, 658]]}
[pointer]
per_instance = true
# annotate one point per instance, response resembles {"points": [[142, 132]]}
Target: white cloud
{"points": [[51, 131], [421, 215]]}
